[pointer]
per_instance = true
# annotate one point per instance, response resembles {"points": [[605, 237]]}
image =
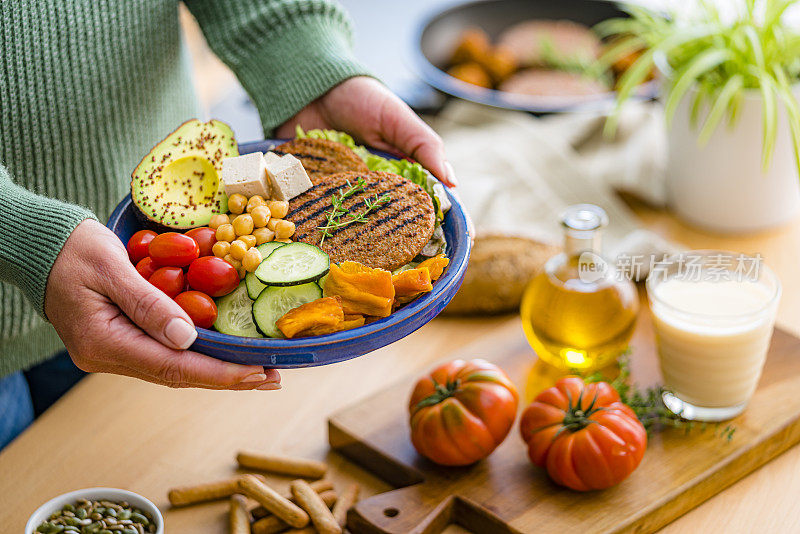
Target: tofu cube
{"points": [[246, 175], [287, 177]]}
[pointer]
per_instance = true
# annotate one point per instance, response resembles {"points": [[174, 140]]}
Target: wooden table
{"points": [[121, 432]]}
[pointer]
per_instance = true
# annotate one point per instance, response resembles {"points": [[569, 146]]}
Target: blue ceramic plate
{"points": [[340, 346]]}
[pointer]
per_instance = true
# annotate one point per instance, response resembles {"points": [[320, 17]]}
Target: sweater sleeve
{"points": [[34, 229], [285, 53]]}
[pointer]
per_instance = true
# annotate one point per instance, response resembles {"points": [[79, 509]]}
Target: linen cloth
{"points": [[518, 172]]}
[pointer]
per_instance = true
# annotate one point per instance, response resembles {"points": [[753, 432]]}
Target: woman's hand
{"points": [[366, 109], [113, 321]]}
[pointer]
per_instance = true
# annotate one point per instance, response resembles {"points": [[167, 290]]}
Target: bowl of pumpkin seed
{"points": [[96, 511]]}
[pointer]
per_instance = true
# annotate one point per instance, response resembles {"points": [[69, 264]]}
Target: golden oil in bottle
{"points": [[579, 313]]}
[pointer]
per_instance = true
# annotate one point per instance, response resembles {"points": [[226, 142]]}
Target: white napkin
{"points": [[518, 172]]}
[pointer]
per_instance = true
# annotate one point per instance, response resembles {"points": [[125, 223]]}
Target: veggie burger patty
{"points": [[391, 236], [321, 157]]}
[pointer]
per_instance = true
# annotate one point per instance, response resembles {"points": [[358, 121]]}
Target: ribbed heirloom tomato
{"points": [[462, 411], [584, 436]]}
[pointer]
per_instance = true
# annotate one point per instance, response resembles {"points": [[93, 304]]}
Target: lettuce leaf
{"points": [[405, 168]]}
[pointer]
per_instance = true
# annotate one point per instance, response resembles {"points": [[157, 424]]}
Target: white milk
{"points": [[712, 337]]}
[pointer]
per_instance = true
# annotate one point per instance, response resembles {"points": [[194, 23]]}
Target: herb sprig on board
{"points": [[334, 216], [649, 407]]}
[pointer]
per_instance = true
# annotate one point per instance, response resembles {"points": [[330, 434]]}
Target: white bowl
{"points": [[94, 494]]}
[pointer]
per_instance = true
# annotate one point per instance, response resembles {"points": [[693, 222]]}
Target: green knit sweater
{"points": [[87, 87]]}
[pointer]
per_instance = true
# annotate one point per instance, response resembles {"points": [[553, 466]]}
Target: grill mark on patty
{"points": [[387, 230], [308, 203], [302, 155], [361, 203], [390, 236]]}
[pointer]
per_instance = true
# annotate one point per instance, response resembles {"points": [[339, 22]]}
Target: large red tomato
{"points": [[138, 244], [205, 238], [170, 280], [199, 306], [462, 411], [584, 436], [213, 276], [173, 250]]}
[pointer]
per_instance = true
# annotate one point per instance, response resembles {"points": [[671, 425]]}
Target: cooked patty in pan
{"points": [[321, 157], [392, 234]]}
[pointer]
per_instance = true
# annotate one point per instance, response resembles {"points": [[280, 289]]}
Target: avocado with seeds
{"points": [[177, 184]]}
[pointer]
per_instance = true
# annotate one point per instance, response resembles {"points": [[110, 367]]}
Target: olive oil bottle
{"points": [[579, 313]]}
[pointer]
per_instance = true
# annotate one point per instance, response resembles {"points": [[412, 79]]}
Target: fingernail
{"points": [[451, 173], [269, 386], [257, 377], [180, 333]]}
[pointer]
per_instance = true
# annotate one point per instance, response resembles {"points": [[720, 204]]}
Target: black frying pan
{"points": [[438, 34]]}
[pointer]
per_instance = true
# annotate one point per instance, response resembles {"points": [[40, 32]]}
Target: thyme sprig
{"points": [[648, 404], [334, 216]]}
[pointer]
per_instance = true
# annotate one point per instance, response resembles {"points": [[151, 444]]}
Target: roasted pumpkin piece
{"points": [[321, 316], [351, 321], [435, 265], [363, 290], [411, 282]]}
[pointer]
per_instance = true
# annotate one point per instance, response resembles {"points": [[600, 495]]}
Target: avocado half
{"points": [[177, 184]]}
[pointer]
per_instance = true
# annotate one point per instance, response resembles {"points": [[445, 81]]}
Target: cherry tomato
{"points": [[199, 306], [138, 244], [169, 280], [205, 238], [173, 250], [146, 268], [213, 276]]}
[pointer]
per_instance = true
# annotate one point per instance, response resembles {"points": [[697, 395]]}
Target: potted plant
{"points": [[739, 68]]}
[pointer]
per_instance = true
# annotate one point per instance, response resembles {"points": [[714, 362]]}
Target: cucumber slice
{"points": [[254, 285], [275, 301], [293, 264], [235, 314]]}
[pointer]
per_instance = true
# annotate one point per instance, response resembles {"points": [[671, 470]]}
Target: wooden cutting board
{"points": [[506, 493]]}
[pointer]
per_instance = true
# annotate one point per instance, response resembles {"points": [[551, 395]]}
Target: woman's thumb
{"points": [[149, 308]]}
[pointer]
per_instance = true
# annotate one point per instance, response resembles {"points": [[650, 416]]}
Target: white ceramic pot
{"points": [[721, 186], [94, 494]]}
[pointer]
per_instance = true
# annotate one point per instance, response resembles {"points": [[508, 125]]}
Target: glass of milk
{"points": [[713, 314]]}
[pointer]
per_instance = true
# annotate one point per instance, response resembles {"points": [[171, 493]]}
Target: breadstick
{"points": [[310, 501], [273, 501], [283, 465], [320, 486], [346, 501], [239, 518], [271, 524], [209, 491]]}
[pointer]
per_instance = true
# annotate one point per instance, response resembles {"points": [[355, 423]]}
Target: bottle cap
{"points": [[584, 217]]}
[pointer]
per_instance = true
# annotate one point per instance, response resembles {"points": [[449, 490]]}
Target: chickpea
{"points": [[238, 248], [272, 223], [236, 264], [218, 220], [221, 249], [260, 215], [231, 217], [283, 240], [249, 240], [241, 272], [252, 259], [243, 224], [254, 202], [278, 208], [284, 229], [225, 233], [263, 235], [237, 203]]}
